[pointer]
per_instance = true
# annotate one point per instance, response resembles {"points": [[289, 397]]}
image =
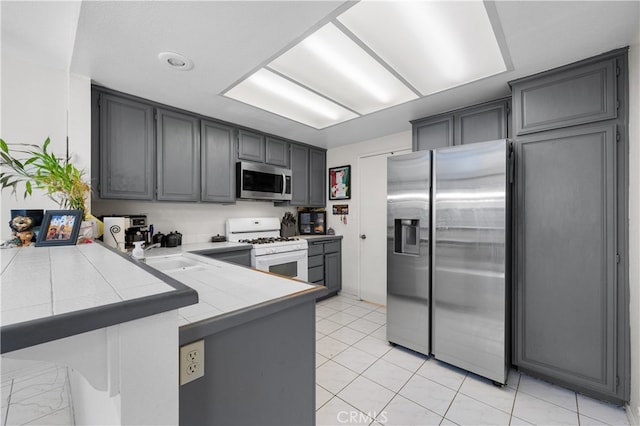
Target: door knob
{"points": [[363, 236]]}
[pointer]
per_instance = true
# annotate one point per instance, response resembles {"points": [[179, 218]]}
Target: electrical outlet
{"points": [[191, 361]]}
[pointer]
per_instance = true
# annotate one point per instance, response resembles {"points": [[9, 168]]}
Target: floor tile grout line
{"points": [[454, 396], [4, 422], [549, 402], [517, 388], [515, 397]]}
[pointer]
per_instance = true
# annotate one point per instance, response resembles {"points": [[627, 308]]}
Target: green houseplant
{"points": [[39, 168]]}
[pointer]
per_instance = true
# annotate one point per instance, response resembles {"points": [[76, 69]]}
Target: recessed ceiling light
{"points": [[175, 61]]}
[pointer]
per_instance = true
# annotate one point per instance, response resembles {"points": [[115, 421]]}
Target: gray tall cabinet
{"points": [[571, 293]]}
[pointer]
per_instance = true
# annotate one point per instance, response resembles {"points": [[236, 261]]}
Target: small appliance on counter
{"points": [[172, 239], [218, 238], [312, 222], [122, 231], [114, 231]]}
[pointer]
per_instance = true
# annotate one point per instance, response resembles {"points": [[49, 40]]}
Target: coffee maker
{"points": [[137, 230], [122, 231]]}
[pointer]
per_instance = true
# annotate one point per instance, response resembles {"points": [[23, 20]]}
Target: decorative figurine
{"points": [[21, 226]]}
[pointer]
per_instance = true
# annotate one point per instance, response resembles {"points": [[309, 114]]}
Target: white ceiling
{"points": [[117, 44]]}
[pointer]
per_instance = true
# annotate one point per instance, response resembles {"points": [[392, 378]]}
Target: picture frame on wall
{"points": [[59, 228], [340, 183]]}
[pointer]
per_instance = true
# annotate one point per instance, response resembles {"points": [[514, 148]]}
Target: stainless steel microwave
{"points": [[255, 181]]}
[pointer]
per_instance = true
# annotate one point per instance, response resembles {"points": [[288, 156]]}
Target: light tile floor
{"points": [[362, 380], [35, 393]]}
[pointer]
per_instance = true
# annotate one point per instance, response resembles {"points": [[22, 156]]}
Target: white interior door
{"points": [[373, 227]]}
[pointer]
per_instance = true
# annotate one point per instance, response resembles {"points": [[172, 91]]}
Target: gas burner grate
{"points": [[268, 240]]}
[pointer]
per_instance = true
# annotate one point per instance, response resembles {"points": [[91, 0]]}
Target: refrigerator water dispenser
{"points": [[407, 236]]}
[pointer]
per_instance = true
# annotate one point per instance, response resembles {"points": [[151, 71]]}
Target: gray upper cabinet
{"points": [[251, 146], [145, 151], [317, 177], [276, 152], [217, 158], [308, 180], [481, 124], [299, 175], [178, 156], [432, 133], [566, 98], [126, 145]]}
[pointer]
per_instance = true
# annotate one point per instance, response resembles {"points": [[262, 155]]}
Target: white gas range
{"points": [[272, 253]]}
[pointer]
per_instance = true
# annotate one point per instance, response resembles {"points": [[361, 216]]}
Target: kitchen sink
{"points": [[173, 263]]}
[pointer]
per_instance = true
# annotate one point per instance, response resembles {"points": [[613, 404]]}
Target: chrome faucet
{"points": [[154, 245]]}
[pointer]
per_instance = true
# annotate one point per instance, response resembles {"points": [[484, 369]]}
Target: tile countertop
{"points": [[53, 292], [198, 248], [224, 287]]}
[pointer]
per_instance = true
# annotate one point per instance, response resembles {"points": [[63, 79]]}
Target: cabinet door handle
{"points": [[363, 237]]}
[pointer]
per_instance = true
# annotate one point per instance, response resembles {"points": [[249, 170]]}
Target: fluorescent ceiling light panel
{"points": [[433, 45], [332, 64], [271, 92]]}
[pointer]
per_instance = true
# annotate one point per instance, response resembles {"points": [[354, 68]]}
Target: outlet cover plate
{"points": [[191, 361]]}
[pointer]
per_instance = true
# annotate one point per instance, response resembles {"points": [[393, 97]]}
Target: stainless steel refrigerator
{"points": [[447, 255]]}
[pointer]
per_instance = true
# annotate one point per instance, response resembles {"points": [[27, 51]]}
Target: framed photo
{"points": [[340, 183], [59, 228]]}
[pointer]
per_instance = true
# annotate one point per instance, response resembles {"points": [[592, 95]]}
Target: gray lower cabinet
{"points": [[217, 159], [126, 148], [571, 281], [480, 123], [250, 146], [325, 263], [259, 367], [178, 152]]}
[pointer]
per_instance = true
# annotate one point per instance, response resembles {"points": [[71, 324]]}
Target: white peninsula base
{"points": [[123, 374]]}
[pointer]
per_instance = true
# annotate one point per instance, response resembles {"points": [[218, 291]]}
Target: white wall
{"points": [[634, 225], [197, 222], [35, 101], [349, 155]]}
